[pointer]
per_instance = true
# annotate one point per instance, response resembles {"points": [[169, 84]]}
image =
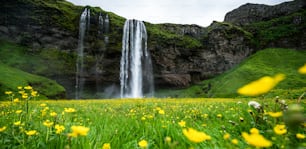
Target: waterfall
{"points": [[84, 24], [136, 75]]}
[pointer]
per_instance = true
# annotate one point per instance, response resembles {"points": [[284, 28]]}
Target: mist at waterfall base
{"points": [[136, 74]]}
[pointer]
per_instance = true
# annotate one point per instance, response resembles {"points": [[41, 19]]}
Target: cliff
{"points": [[182, 55]]}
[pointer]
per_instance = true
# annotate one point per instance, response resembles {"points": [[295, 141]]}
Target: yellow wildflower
{"points": [[69, 110], [182, 123], [28, 87], [275, 114], [53, 114], [254, 131], [219, 115], [31, 132], [226, 136], [2, 129], [34, 93], [18, 123], [59, 128], [16, 100], [143, 144], [280, 129], [78, 131], [256, 139], [106, 146], [43, 105], [48, 123], [18, 111], [298, 135], [8, 92], [195, 136], [234, 141], [24, 95], [161, 112], [261, 86], [168, 139], [302, 70]]}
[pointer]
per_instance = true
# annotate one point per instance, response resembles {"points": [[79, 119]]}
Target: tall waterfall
{"points": [[84, 24], [136, 75]]}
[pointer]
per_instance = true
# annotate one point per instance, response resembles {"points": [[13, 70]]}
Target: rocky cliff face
{"points": [[182, 54], [250, 13]]}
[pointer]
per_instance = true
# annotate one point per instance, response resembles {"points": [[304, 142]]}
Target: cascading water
{"points": [[136, 75], [84, 24]]}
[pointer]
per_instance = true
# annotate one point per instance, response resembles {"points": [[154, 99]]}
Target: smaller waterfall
{"points": [[106, 29], [136, 75], [83, 25]]}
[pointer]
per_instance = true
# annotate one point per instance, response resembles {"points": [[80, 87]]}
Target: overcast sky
{"points": [[200, 12]]}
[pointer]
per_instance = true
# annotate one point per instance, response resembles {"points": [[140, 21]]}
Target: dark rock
{"points": [[250, 13]]}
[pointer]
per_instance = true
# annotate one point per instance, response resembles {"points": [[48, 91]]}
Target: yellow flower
{"points": [[275, 114], [106, 146], [182, 123], [298, 135], [34, 93], [16, 100], [31, 132], [78, 131], [261, 86], [280, 129], [19, 87], [168, 139], [24, 95], [2, 129], [143, 144], [219, 115], [17, 123], [28, 87], [48, 123], [59, 128], [255, 139], [8, 92], [69, 110], [18, 111], [53, 114], [302, 70], [226, 136], [43, 105], [234, 141], [162, 112], [254, 131], [195, 136]]}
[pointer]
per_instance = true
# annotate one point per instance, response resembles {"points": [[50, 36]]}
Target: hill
{"points": [[267, 62], [11, 78]]}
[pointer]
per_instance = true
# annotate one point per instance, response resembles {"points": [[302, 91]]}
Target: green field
{"points": [[123, 123]]}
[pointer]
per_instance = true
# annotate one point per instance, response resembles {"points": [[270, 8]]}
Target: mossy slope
{"points": [[11, 78], [268, 62]]}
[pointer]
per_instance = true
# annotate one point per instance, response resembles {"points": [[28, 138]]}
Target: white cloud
{"points": [[201, 12]]}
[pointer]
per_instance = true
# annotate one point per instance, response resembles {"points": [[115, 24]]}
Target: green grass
{"points": [[11, 78], [45, 62], [272, 30], [268, 62], [123, 123]]}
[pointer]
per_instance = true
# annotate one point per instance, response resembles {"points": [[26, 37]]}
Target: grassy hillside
{"points": [[11, 78], [265, 62]]}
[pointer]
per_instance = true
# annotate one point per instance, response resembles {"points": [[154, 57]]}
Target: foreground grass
{"points": [[124, 123]]}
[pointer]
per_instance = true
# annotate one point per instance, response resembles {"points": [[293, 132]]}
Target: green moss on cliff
{"points": [[160, 36], [290, 26]]}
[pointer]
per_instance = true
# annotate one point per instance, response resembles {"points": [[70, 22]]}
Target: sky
{"points": [[200, 12]]}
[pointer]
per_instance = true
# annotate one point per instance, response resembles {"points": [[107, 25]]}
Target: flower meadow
{"points": [[154, 123]]}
